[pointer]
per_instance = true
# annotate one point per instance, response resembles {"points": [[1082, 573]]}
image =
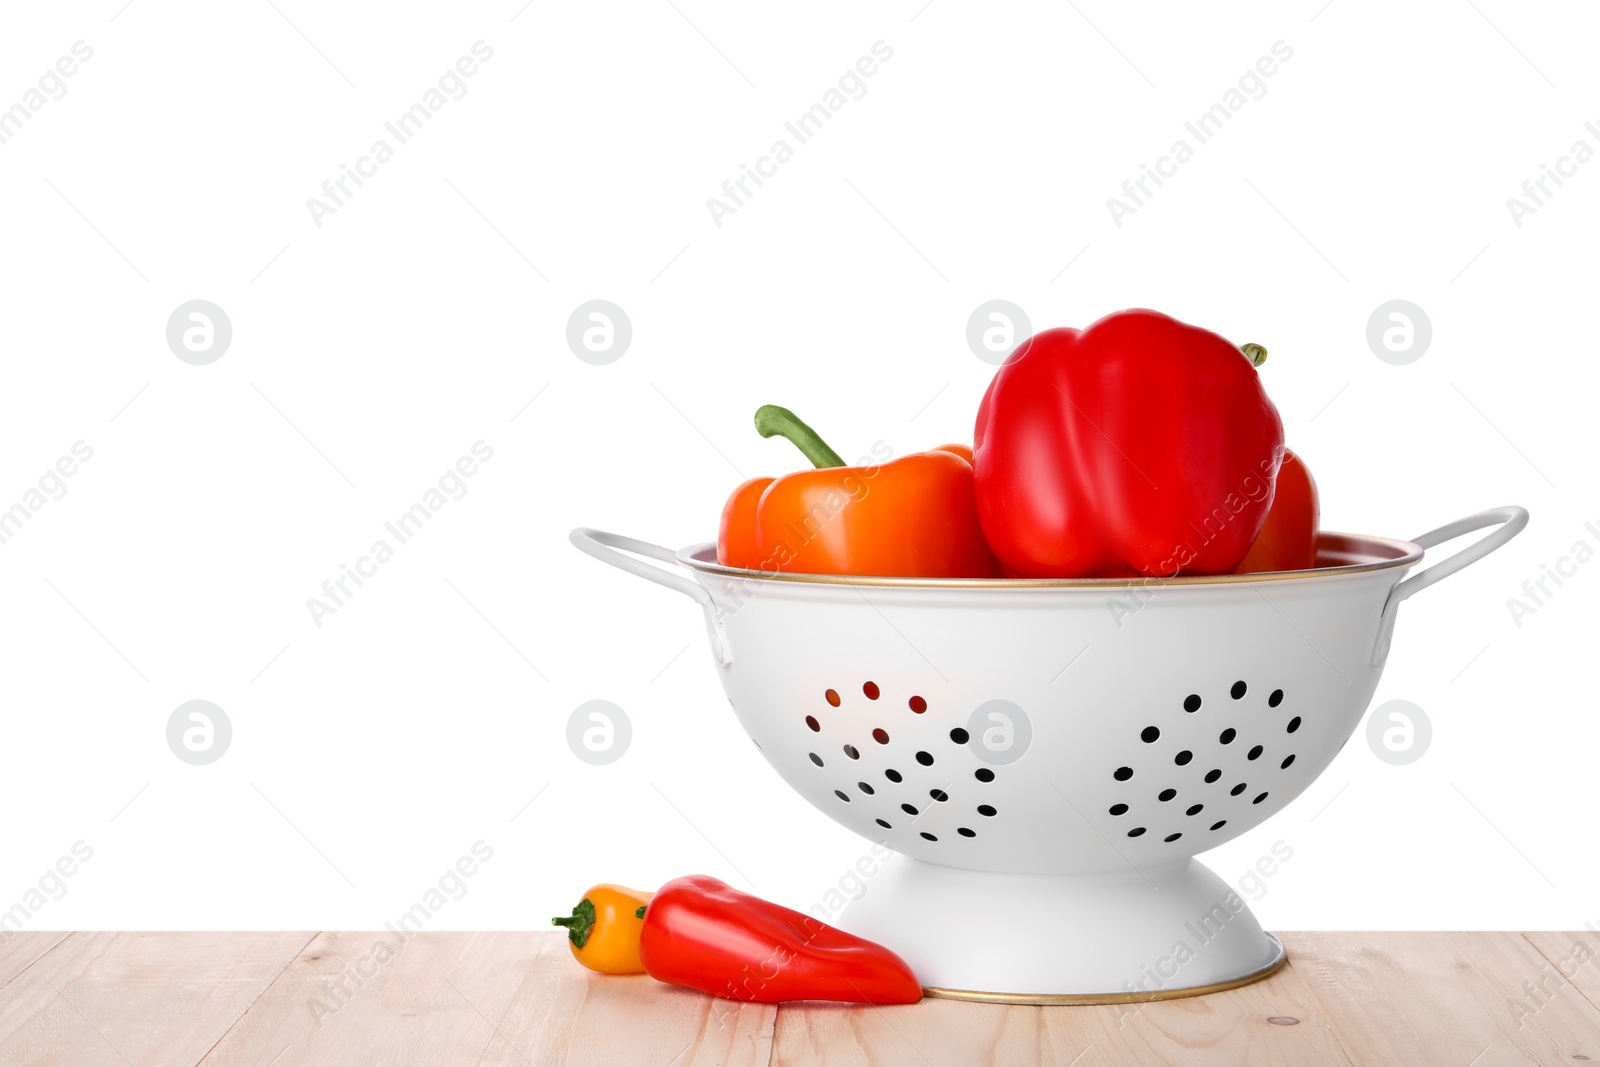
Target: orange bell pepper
{"points": [[912, 517]]}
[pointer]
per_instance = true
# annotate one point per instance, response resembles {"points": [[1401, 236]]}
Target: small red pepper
{"points": [[1139, 444], [702, 933]]}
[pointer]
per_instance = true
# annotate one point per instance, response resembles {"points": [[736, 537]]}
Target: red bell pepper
{"points": [[702, 933], [1138, 445], [1288, 539]]}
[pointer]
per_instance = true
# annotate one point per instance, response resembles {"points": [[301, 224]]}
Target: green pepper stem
{"points": [[579, 923], [1254, 353], [773, 421]]}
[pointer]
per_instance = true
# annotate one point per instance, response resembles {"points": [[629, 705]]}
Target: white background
{"points": [[369, 353]]}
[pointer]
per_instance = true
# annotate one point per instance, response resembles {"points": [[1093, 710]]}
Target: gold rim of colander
{"points": [[1280, 957], [1408, 554]]}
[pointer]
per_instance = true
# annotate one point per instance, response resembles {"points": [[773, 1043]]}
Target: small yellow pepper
{"points": [[604, 929]]}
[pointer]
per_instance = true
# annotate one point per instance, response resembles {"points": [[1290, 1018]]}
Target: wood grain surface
{"points": [[347, 999]]}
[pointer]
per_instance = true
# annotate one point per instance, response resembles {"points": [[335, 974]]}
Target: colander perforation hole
{"points": [[929, 836], [852, 752], [983, 774], [866, 788], [939, 794], [871, 689], [893, 775], [918, 705], [964, 832], [816, 759], [987, 810], [881, 736], [811, 721], [832, 697], [1158, 732], [842, 795], [908, 809], [925, 758], [960, 736], [883, 823]]}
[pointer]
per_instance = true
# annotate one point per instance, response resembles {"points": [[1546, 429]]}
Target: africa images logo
{"points": [[806, 126], [409, 123], [1252, 85]]}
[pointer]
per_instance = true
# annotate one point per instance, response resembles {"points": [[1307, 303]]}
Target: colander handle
{"points": [[615, 549], [1510, 521]]}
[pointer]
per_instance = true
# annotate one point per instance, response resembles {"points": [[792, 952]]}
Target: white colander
{"points": [[1049, 755]]}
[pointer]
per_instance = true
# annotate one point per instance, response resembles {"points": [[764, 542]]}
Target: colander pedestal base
{"points": [[1110, 937]]}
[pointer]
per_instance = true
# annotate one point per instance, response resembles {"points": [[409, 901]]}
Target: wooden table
{"points": [[286, 999]]}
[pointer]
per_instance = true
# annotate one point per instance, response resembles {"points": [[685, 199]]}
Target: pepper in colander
{"points": [[1288, 539], [1137, 445], [912, 517]]}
